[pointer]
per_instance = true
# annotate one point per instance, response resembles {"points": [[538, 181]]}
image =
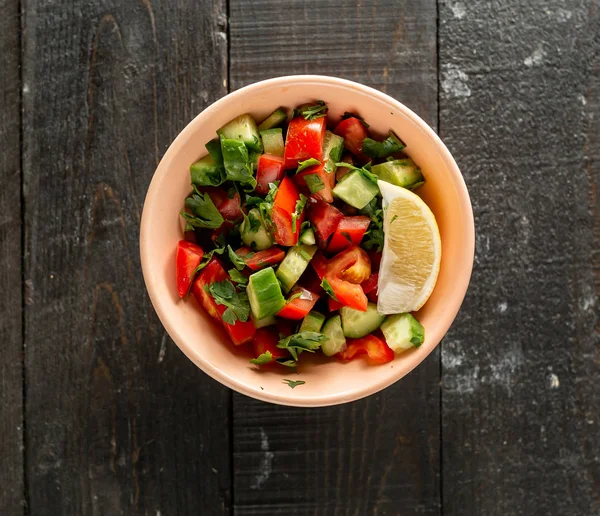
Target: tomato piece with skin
{"points": [[229, 207], [348, 294], [319, 264], [325, 194], [375, 257], [284, 206], [370, 283], [269, 169], [349, 231], [310, 280], [375, 348], [304, 140], [352, 265], [299, 307], [187, 258], [324, 217], [353, 132], [265, 258], [333, 305], [266, 339], [239, 332]]}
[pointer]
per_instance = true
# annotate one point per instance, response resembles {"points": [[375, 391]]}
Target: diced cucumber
{"points": [[266, 321], [312, 322], [254, 233], [333, 146], [207, 172], [236, 161], [357, 324], [307, 237], [294, 264], [242, 128], [400, 172], [264, 294], [273, 141], [336, 341], [402, 332], [276, 118], [253, 157], [355, 189]]}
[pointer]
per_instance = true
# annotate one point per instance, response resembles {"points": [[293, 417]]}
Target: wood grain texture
{"points": [[379, 455], [117, 417], [11, 342], [520, 109]]}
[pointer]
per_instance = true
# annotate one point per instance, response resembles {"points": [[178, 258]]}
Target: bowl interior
{"points": [[327, 382]]}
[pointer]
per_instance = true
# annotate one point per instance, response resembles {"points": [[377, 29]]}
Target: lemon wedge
{"points": [[411, 254]]}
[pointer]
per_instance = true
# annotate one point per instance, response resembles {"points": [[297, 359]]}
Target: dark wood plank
{"points": [[116, 415], [11, 342], [520, 108], [379, 455]]}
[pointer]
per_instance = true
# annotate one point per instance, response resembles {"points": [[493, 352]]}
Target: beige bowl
{"points": [[327, 382]]}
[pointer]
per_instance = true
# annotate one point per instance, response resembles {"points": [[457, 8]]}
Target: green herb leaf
{"points": [[304, 341], [314, 182], [311, 162], [347, 114], [300, 203], [262, 359], [237, 277], [391, 145], [312, 112], [393, 218], [238, 307], [238, 262], [294, 383], [294, 296], [204, 212], [253, 200], [237, 162], [327, 288], [288, 362]]}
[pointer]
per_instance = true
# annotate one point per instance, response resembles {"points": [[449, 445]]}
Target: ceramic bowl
{"points": [[327, 382]]}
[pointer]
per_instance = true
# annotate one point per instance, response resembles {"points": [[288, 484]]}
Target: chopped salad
{"points": [[284, 234]]}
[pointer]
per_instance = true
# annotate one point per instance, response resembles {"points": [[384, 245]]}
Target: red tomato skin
{"points": [[284, 206], [319, 264], [333, 305], [348, 294], [325, 194], [187, 258], [370, 284], [266, 339], [324, 217], [353, 132], [376, 349], [355, 227], [230, 209], [265, 258], [375, 257], [269, 169], [304, 140], [298, 308]]}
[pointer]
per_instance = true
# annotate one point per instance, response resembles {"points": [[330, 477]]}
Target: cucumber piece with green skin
{"points": [[242, 128], [207, 172], [402, 332], [236, 161], [400, 172], [266, 321], [355, 189], [307, 237], [294, 264], [357, 324], [253, 157], [336, 341], [273, 141], [277, 117], [264, 294], [254, 233], [333, 146], [313, 321]]}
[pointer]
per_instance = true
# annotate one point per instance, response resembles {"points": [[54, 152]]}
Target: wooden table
{"points": [[101, 414]]}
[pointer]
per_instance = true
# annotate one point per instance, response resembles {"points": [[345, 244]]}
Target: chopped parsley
{"points": [[391, 145], [312, 112], [238, 262], [311, 162], [237, 277], [300, 203], [303, 341], [327, 288], [294, 383], [262, 359], [224, 293], [204, 212]]}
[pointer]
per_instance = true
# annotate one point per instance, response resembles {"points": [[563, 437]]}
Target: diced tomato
{"points": [[370, 283], [187, 258], [376, 349], [266, 339], [190, 236], [229, 207], [375, 257], [239, 332], [310, 280], [319, 263], [269, 170], [348, 294], [243, 251], [304, 140], [324, 217], [285, 327], [212, 273], [373, 296], [349, 231], [326, 177], [352, 265], [333, 305], [265, 258], [300, 306], [354, 132], [284, 206]]}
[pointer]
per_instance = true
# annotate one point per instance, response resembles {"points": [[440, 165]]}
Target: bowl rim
{"points": [[448, 317]]}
